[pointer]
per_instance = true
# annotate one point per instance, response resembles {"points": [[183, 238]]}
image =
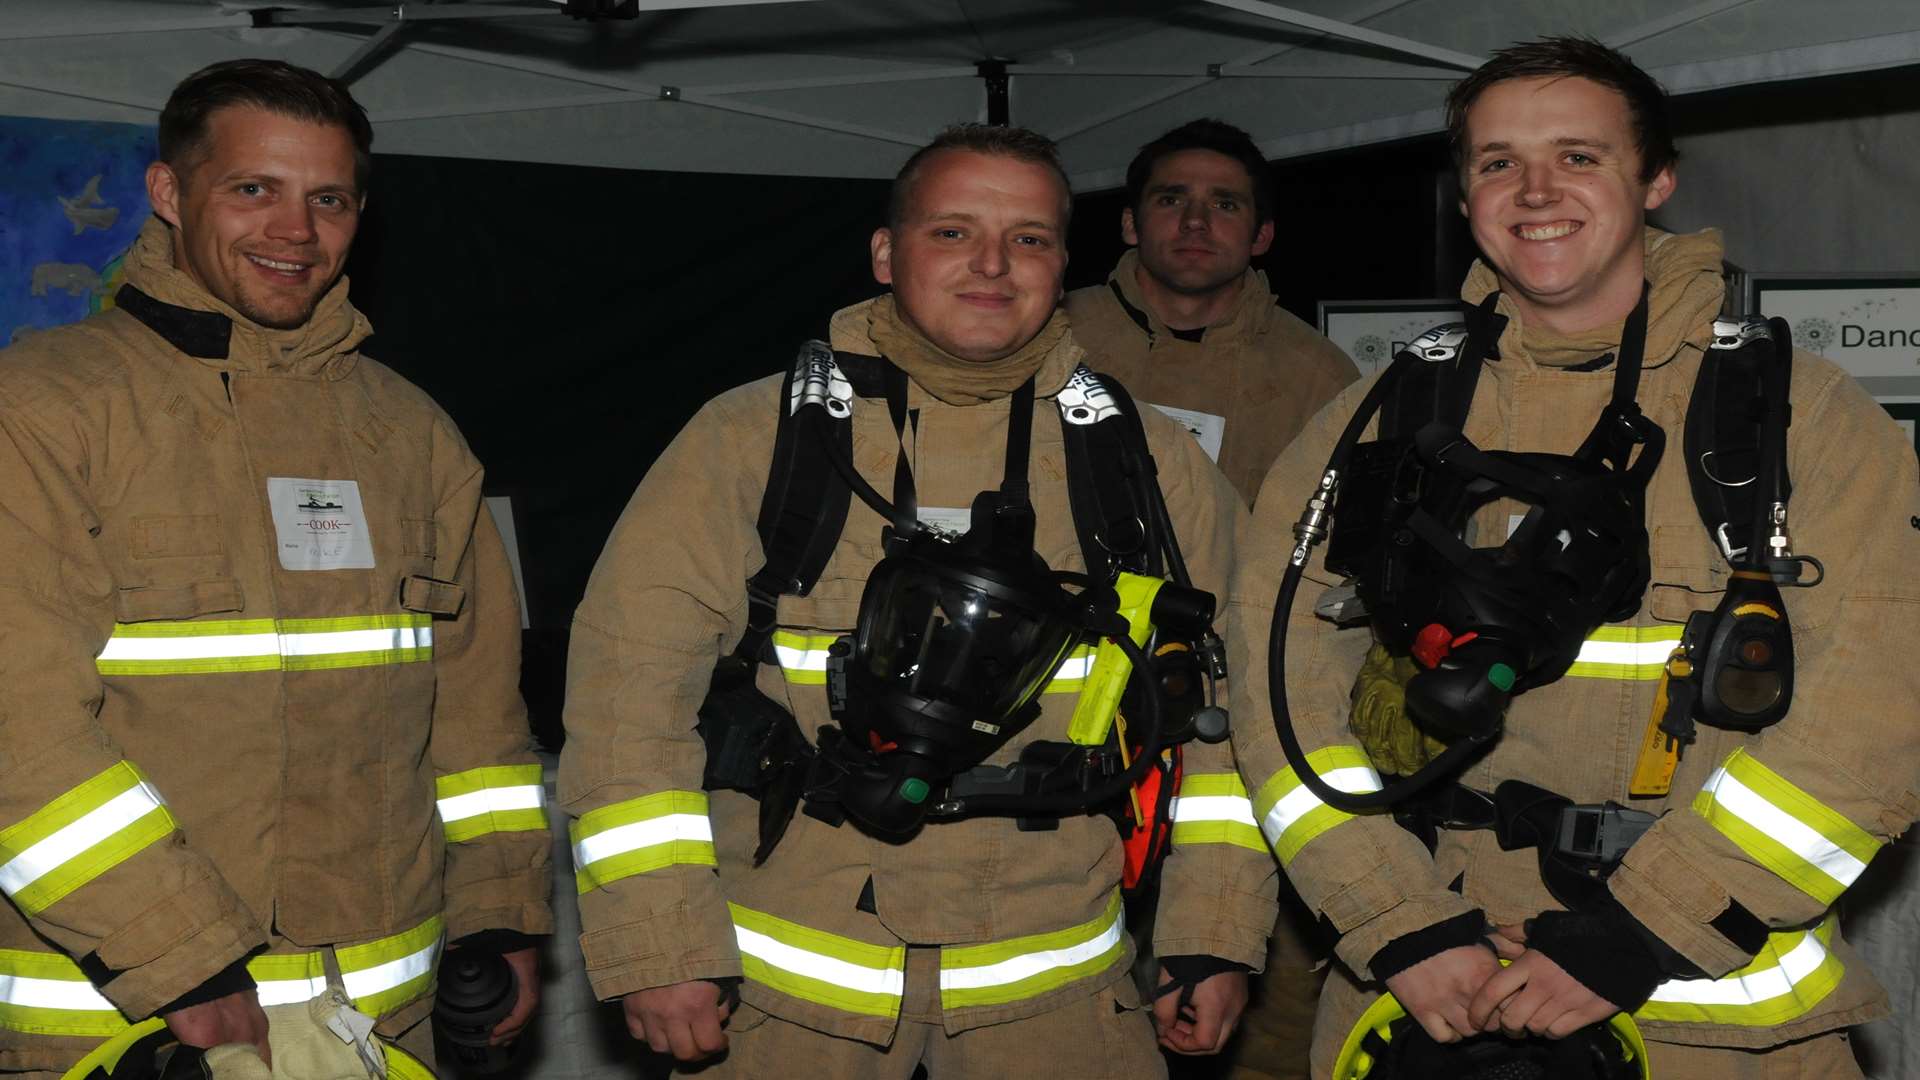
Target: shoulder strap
{"points": [[1735, 437], [1113, 486], [805, 504]]}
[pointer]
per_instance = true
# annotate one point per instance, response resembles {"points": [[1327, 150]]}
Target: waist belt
{"points": [[1579, 844]]}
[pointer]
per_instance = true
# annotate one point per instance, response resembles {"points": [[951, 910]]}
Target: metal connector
{"points": [[1311, 530]]}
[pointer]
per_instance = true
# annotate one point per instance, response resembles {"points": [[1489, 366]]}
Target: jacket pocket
{"points": [[432, 596], [418, 537], [212, 596], [164, 536], [1689, 573]]}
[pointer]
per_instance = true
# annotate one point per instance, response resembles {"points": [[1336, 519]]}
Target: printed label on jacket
{"points": [[949, 520], [1207, 428], [320, 524]]}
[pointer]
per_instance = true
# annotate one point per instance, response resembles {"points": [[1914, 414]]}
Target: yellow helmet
{"points": [[139, 1045], [1609, 1051]]}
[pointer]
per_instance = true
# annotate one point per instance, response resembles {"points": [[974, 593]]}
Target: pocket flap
{"points": [[431, 595], [210, 597]]}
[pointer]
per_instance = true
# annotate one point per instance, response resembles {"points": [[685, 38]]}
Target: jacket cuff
{"points": [[1663, 889], [1427, 942], [673, 946], [232, 979], [1603, 951], [1361, 938], [1233, 926], [143, 985], [497, 941]]}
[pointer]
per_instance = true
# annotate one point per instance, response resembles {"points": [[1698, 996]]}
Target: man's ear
{"points": [[1262, 239], [1127, 231], [1661, 189], [881, 249], [163, 191]]}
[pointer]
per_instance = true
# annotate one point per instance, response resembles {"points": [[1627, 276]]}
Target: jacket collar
{"points": [[170, 303], [1247, 318]]}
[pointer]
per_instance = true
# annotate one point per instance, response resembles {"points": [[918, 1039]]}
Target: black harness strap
{"points": [[1112, 482], [1736, 445]]}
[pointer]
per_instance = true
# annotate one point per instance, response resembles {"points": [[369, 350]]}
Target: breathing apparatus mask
{"points": [[1485, 622], [955, 639]]}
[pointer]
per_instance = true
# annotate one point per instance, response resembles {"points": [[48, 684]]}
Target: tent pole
{"points": [[994, 74]]}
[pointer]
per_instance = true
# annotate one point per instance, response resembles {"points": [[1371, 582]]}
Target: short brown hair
{"points": [[273, 85], [1019, 144], [1580, 58]]}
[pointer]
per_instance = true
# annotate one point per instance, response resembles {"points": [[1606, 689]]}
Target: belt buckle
{"points": [[1600, 833]]}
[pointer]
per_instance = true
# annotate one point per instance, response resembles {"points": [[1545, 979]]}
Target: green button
{"points": [[914, 790], [1501, 676]]}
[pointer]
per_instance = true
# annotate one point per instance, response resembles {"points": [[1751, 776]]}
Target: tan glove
{"points": [[1379, 718], [322, 1039]]}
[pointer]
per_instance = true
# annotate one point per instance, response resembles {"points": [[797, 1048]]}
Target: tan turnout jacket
{"points": [[1781, 821], [1262, 371], [1024, 921], [256, 625]]}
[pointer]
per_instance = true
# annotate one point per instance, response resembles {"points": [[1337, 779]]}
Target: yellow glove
{"points": [[322, 1039], [1379, 718]]}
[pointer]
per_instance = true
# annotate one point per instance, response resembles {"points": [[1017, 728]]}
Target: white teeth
{"points": [[276, 265], [1547, 232]]}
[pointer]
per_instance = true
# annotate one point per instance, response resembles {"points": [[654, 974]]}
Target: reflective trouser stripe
{"points": [[196, 648], [1635, 653], [667, 828], [1213, 808], [1783, 828], [1291, 815], [1071, 676], [1027, 967], [379, 976], [1791, 975], [80, 835], [491, 799], [813, 965], [46, 993], [803, 657]]}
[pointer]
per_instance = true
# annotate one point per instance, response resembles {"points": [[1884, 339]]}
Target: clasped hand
{"points": [[1464, 992]]}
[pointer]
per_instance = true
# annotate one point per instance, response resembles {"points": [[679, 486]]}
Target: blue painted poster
{"points": [[72, 198]]}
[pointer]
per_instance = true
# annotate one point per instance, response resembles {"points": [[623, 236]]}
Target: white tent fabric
{"points": [[848, 87]]}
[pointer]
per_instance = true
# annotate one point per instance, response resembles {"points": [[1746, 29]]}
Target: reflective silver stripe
{"points": [[289, 991], [367, 982], [1785, 829], [1028, 965], [492, 800], [1075, 666], [1213, 808], [891, 982], [641, 834], [1795, 966], [32, 993], [222, 646], [75, 839], [1635, 653]]}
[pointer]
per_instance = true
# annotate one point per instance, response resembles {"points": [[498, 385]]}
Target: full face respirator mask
{"points": [[1485, 621]]}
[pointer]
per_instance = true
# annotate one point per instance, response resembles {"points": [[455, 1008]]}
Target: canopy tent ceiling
{"points": [[848, 87]]}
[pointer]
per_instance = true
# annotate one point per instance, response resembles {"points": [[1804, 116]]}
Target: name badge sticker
{"points": [[319, 524]]}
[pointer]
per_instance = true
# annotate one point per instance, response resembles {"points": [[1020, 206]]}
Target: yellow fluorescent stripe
{"points": [[1202, 784], [45, 994], [80, 835], [1784, 829], [243, 645], [639, 836], [1793, 973], [1626, 653], [1026, 967], [1236, 833], [1289, 813], [491, 799], [813, 965]]}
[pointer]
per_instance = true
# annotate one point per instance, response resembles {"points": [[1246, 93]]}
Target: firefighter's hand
{"points": [[236, 1018], [1436, 991], [526, 976], [1535, 995], [683, 1019], [1209, 1020]]}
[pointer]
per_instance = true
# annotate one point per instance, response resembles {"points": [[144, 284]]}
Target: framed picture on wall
{"points": [[1868, 324], [1372, 332]]}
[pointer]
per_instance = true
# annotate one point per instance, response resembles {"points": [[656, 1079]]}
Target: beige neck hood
{"points": [[877, 326], [1244, 319]]}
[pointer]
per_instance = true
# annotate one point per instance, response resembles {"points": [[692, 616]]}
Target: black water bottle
{"points": [[477, 991]]}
